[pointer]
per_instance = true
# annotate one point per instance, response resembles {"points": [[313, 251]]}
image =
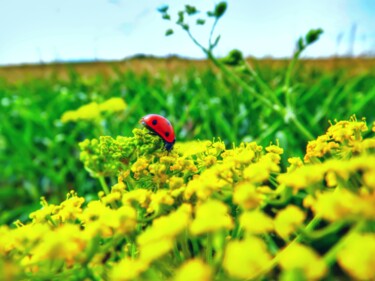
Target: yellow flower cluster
{"points": [[342, 139], [203, 211], [93, 111]]}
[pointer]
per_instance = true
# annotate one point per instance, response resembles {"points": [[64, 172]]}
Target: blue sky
{"points": [[35, 31]]}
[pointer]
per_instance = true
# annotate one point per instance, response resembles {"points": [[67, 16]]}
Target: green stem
{"points": [[263, 85], [236, 231], [177, 253], [209, 248], [286, 113], [321, 233], [104, 185], [235, 78], [196, 251], [211, 46], [271, 244], [285, 197], [290, 69], [311, 225], [330, 256], [306, 133], [245, 86], [184, 244]]}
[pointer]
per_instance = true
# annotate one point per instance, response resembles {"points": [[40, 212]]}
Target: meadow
{"points": [[277, 187]]}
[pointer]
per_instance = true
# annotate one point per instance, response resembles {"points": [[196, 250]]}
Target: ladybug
{"points": [[162, 127]]}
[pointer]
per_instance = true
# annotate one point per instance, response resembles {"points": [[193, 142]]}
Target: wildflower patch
{"points": [[207, 212]]}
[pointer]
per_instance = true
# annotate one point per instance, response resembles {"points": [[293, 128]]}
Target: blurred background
{"points": [[43, 31], [71, 58]]}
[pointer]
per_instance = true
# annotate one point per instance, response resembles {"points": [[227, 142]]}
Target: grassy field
{"points": [[74, 128], [17, 73], [40, 153]]}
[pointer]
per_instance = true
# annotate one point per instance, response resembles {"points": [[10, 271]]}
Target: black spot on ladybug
{"points": [[167, 134], [154, 122]]}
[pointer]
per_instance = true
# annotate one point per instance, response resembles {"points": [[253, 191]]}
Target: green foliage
{"points": [[246, 101], [234, 58], [40, 156], [311, 36]]}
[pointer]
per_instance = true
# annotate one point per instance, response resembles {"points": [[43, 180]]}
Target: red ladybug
{"points": [[162, 127]]}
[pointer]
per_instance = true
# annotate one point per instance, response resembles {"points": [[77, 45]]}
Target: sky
{"points": [[42, 31]]}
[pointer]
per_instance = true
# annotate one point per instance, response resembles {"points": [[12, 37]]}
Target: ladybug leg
{"points": [[152, 133]]}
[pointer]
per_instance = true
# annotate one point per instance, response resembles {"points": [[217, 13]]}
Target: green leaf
{"points": [[216, 41], [201, 21], [234, 58], [180, 17], [313, 35], [163, 8], [166, 17], [169, 32], [190, 10], [210, 14], [300, 44], [220, 9]]}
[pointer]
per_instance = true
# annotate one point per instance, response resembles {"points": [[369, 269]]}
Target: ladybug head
{"points": [[168, 145]]}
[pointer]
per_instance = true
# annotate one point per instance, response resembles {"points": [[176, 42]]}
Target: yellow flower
{"points": [[167, 226], [139, 168], [209, 160], [92, 111], [319, 147], [357, 257], [344, 137], [260, 172], [288, 220], [246, 195], [161, 197], [369, 179], [66, 243], [219, 146], [297, 256], [140, 196], [274, 149], [184, 165], [256, 222], [100, 219], [126, 217], [295, 162], [347, 130], [158, 239], [155, 250], [210, 217], [113, 104], [44, 214], [170, 159], [69, 115], [246, 259], [118, 187], [207, 182], [194, 270], [343, 204], [128, 269], [192, 147], [244, 157], [175, 182], [302, 177], [19, 238], [10, 271], [70, 209], [89, 111]]}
